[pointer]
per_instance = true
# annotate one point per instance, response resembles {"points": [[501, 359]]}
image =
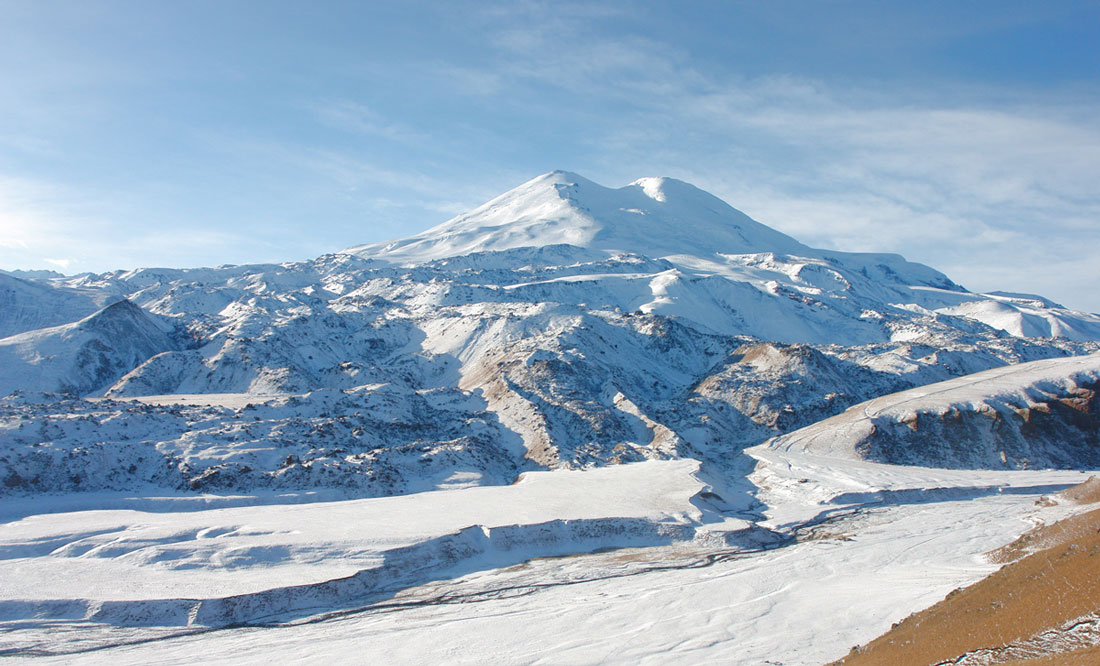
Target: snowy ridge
{"points": [[1025, 316], [703, 236], [1038, 414], [652, 216]]}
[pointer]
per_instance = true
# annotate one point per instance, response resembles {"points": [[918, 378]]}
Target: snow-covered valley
{"points": [[835, 553], [636, 419]]}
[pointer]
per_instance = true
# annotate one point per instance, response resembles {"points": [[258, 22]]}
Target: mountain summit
{"points": [[566, 219], [654, 217]]}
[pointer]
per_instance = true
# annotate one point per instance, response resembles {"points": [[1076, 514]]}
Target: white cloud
{"points": [[42, 223]]}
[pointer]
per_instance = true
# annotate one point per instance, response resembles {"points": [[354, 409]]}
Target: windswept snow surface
{"points": [[826, 567], [170, 547]]}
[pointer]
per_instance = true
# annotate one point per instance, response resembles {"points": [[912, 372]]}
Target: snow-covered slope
{"points": [[1026, 316], [700, 236], [1039, 414], [636, 341], [157, 550], [659, 571], [26, 305], [376, 441], [83, 356], [654, 217]]}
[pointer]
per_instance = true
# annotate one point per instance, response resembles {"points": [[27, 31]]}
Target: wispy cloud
{"points": [[359, 118]]}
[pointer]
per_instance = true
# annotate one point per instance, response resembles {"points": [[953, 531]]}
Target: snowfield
{"points": [[574, 425], [827, 568], [164, 548]]}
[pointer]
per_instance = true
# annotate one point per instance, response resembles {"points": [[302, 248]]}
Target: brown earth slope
{"points": [[1041, 608]]}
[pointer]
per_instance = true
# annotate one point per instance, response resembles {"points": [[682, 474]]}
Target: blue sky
{"points": [[962, 135]]}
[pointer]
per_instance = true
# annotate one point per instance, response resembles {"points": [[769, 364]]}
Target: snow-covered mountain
{"points": [[796, 410], [83, 356], [697, 236], [562, 324], [655, 217]]}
